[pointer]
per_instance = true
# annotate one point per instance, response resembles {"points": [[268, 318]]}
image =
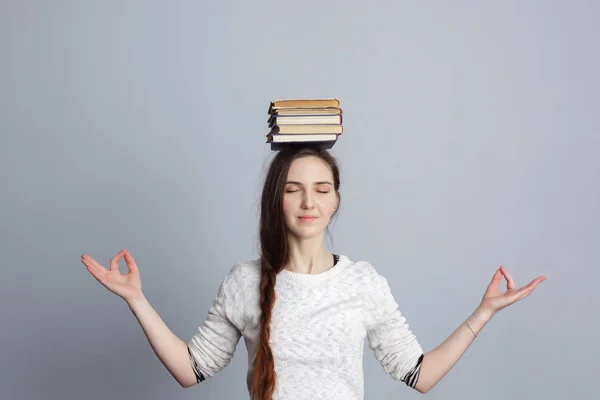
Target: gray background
{"points": [[471, 141]]}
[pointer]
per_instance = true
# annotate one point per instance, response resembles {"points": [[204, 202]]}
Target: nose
{"points": [[307, 199]]}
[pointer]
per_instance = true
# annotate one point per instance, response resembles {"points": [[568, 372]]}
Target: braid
{"points": [[264, 372]]}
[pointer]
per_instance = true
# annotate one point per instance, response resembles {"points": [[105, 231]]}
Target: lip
{"points": [[307, 218]]}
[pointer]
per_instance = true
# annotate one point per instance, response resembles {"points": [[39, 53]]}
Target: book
{"points": [[301, 137], [299, 129], [305, 120], [323, 141], [322, 144], [304, 111], [303, 103]]}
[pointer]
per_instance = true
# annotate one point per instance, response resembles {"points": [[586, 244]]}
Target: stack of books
{"points": [[307, 122]]}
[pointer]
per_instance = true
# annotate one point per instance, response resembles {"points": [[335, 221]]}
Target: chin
{"points": [[304, 233]]}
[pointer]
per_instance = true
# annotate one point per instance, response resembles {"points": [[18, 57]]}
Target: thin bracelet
{"points": [[471, 328]]}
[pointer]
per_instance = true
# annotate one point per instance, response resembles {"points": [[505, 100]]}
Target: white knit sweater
{"points": [[318, 327]]}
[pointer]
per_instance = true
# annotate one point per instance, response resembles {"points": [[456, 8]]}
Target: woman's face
{"points": [[308, 191]]}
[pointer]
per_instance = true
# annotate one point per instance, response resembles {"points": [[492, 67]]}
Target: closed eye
{"points": [[292, 191]]}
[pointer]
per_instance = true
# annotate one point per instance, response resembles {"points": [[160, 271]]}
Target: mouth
{"points": [[307, 218]]}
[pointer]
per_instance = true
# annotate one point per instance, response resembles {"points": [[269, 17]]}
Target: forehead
{"points": [[309, 169]]}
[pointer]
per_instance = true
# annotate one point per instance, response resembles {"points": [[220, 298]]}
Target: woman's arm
{"points": [[439, 361], [171, 350]]}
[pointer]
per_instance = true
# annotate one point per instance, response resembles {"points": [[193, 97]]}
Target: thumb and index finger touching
{"points": [[498, 274], [510, 283], [114, 262]]}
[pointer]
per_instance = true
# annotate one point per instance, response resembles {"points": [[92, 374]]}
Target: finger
{"points": [[526, 290], [510, 283], [89, 261], [130, 262], [534, 282], [496, 279], [114, 262], [525, 293], [518, 295], [94, 269], [95, 273]]}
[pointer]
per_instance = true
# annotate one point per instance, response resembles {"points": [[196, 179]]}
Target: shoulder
{"points": [[365, 272], [243, 274], [376, 291]]}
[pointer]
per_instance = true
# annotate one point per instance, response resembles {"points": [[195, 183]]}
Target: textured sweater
{"points": [[318, 326]]}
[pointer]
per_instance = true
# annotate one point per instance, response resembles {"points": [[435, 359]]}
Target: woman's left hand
{"points": [[494, 300]]}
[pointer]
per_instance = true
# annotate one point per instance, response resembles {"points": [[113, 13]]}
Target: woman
{"points": [[304, 312]]}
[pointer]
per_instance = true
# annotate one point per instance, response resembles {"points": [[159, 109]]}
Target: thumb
{"points": [[496, 278], [130, 262]]}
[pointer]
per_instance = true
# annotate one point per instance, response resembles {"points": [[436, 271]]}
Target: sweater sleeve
{"points": [[212, 347], [390, 339]]}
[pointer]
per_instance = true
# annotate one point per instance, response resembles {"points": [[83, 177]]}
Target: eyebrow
{"points": [[316, 183]]}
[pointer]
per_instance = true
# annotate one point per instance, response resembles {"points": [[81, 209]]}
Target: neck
{"points": [[308, 256]]}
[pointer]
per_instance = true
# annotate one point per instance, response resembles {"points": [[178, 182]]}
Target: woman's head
{"points": [[311, 189], [300, 181]]}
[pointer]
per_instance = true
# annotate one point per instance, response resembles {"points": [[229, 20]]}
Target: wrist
{"points": [[478, 320], [482, 314], [137, 303]]}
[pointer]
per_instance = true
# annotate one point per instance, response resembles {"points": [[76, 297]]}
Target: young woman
{"points": [[303, 312]]}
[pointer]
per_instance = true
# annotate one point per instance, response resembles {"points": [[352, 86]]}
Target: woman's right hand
{"points": [[127, 286]]}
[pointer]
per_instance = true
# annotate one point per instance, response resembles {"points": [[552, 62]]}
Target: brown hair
{"points": [[274, 253]]}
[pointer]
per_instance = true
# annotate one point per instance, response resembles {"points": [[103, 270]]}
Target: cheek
{"points": [[328, 202], [288, 206]]}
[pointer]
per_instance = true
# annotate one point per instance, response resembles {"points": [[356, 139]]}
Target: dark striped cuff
{"points": [[199, 376], [412, 376]]}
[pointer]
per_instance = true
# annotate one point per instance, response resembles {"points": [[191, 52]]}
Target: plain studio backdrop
{"points": [[470, 142]]}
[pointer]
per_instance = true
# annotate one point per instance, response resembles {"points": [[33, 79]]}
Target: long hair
{"points": [[274, 253]]}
